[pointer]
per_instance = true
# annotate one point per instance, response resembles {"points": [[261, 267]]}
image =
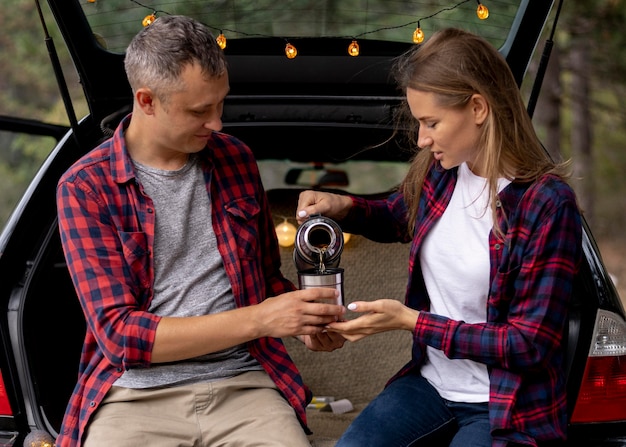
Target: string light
{"points": [[353, 48], [221, 40], [482, 12], [286, 234], [418, 34], [38, 438], [149, 19], [290, 51]]}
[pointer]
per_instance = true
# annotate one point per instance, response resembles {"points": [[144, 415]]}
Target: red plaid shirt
{"points": [[107, 230], [532, 275]]}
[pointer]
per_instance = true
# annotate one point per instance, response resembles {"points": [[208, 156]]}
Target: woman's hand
{"points": [[378, 316], [335, 206]]}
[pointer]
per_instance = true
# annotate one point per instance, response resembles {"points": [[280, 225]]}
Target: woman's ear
{"points": [[480, 108]]}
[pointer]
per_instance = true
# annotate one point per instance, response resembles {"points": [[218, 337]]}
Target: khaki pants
{"points": [[246, 410]]}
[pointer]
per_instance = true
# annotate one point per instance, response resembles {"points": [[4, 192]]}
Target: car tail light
{"points": [[5, 407], [602, 395]]}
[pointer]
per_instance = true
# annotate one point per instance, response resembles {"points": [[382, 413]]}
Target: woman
{"points": [[496, 242]]}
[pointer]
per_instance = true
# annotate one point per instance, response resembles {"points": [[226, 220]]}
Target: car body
{"points": [[320, 120]]}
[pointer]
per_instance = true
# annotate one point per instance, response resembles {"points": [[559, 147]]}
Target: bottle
{"points": [[317, 252], [318, 245]]}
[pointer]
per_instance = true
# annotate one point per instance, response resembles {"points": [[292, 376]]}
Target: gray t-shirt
{"points": [[190, 278]]}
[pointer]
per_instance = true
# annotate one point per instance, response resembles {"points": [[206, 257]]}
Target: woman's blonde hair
{"points": [[455, 65]]}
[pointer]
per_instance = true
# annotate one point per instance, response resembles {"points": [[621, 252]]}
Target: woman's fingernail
{"points": [[351, 306], [301, 213]]}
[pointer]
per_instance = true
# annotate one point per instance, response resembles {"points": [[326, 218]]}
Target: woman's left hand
{"points": [[378, 316]]}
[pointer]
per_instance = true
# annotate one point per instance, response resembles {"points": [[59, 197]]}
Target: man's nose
{"points": [[214, 123]]}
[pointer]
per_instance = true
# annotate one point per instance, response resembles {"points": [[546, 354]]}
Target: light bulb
{"points": [[353, 48], [221, 41], [286, 234], [290, 51], [418, 35], [38, 438], [346, 238], [148, 20], [482, 12]]}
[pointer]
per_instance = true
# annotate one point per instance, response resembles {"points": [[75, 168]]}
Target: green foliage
{"points": [[28, 87], [609, 115], [293, 19]]}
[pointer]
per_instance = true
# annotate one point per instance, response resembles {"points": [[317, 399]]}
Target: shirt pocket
{"points": [[243, 218], [137, 256], [503, 290]]}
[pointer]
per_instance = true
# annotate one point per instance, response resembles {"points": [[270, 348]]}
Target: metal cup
{"points": [[331, 278]]}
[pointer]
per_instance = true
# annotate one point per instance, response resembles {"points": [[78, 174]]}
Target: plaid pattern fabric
{"points": [[532, 274], [107, 224]]}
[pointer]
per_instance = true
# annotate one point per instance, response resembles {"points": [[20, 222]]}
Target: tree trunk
{"points": [[581, 136], [548, 111]]}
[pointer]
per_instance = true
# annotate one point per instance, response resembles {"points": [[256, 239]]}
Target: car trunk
{"points": [[312, 109]]}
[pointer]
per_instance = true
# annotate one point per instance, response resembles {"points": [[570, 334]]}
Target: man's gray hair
{"points": [[157, 55]]}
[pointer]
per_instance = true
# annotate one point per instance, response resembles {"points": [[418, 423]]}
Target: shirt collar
{"points": [[122, 169]]}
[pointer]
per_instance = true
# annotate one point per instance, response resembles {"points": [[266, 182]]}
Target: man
{"points": [[169, 240]]}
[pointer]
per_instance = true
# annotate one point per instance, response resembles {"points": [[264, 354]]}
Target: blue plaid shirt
{"points": [[531, 280]]}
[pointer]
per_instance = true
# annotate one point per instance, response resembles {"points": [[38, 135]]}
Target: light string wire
{"points": [[386, 28]]}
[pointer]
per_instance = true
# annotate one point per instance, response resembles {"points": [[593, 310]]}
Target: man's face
{"points": [[185, 120]]}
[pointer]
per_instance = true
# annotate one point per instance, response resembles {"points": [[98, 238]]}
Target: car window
{"points": [[115, 22], [356, 177], [21, 155]]}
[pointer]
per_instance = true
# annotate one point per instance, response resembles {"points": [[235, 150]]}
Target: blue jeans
{"points": [[410, 413]]}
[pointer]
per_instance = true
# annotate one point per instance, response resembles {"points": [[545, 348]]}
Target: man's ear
{"points": [[480, 108], [144, 98]]}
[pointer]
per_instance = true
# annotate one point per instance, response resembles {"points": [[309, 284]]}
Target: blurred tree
{"points": [[581, 112], [588, 60], [27, 83], [28, 89]]}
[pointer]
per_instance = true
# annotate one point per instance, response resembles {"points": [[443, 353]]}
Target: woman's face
{"points": [[451, 134]]}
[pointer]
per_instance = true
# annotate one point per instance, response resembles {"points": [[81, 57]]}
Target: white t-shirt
{"points": [[455, 264]]}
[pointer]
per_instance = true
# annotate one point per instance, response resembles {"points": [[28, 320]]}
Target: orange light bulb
{"points": [[353, 48], [221, 41], [482, 12], [290, 51], [418, 35], [286, 234], [346, 238], [148, 20]]}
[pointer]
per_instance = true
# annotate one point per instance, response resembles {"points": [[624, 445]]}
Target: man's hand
{"points": [[302, 312], [323, 341]]}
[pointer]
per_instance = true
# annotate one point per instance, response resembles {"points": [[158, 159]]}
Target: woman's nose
{"points": [[423, 139]]}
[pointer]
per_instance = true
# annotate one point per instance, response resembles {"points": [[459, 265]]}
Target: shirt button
{"points": [[498, 204], [150, 211], [92, 404], [497, 246]]}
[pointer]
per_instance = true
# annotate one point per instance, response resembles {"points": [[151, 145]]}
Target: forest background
{"points": [[580, 115]]}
